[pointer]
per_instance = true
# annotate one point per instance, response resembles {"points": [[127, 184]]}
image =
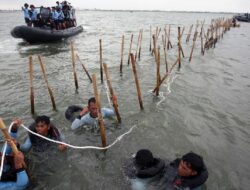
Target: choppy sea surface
{"points": [[204, 107]]}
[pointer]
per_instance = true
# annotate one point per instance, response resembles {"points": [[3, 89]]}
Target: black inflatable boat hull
{"points": [[36, 35]]}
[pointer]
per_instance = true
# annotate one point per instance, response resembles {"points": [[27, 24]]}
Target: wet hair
{"points": [[91, 100], [144, 158], [44, 119], [26, 4], [195, 161], [32, 6]]}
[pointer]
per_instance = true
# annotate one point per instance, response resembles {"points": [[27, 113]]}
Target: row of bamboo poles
{"points": [[215, 31]]}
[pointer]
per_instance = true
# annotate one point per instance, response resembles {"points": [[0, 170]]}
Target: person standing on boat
{"points": [[26, 13], [58, 5], [61, 19], [33, 15], [54, 17]]}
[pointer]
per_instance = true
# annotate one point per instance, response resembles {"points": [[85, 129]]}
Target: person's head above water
{"points": [[144, 158], [26, 5], [42, 125], [191, 164], [92, 107]]}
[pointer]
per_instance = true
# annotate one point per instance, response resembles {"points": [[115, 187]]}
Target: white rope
{"points": [[108, 93], [81, 147], [3, 153]]}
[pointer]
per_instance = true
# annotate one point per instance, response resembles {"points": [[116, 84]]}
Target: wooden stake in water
{"points": [[130, 47], [32, 101], [112, 93], [136, 81], [194, 39], [122, 49], [73, 63], [165, 76], [150, 38], [165, 53], [139, 56], [158, 77], [138, 41], [179, 47], [189, 33], [100, 118], [101, 71], [84, 68], [47, 83], [169, 43]]}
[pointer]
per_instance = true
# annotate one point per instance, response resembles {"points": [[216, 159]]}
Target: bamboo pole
{"points": [[191, 54], [150, 38], [100, 48], [84, 68], [179, 47], [100, 118], [158, 78], [8, 137], [169, 43], [136, 81], [130, 47], [154, 48], [201, 35], [189, 33], [137, 46], [47, 83], [122, 50], [73, 63], [112, 93], [165, 76], [182, 32], [140, 45], [32, 101], [165, 53]]}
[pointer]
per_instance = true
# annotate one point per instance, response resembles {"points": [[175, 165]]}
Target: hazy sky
{"points": [[168, 5]]}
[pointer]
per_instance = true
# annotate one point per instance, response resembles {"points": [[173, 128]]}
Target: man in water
{"points": [[147, 172], [90, 118], [43, 127], [26, 13]]}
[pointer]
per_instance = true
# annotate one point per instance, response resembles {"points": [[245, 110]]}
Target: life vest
{"points": [[39, 144], [156, 168]]}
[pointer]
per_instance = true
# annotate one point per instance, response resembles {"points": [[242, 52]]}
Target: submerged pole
{"points": [[122, 49], [73, 63], [112, 93], [84, 68], [32, 101], [47, 83], [131, 42], [100, 118], [100, 48], [136, 81], [139, 56]]}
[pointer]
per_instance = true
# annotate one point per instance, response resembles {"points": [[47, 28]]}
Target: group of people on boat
{"points": [[143, 170], [58, 17]]}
